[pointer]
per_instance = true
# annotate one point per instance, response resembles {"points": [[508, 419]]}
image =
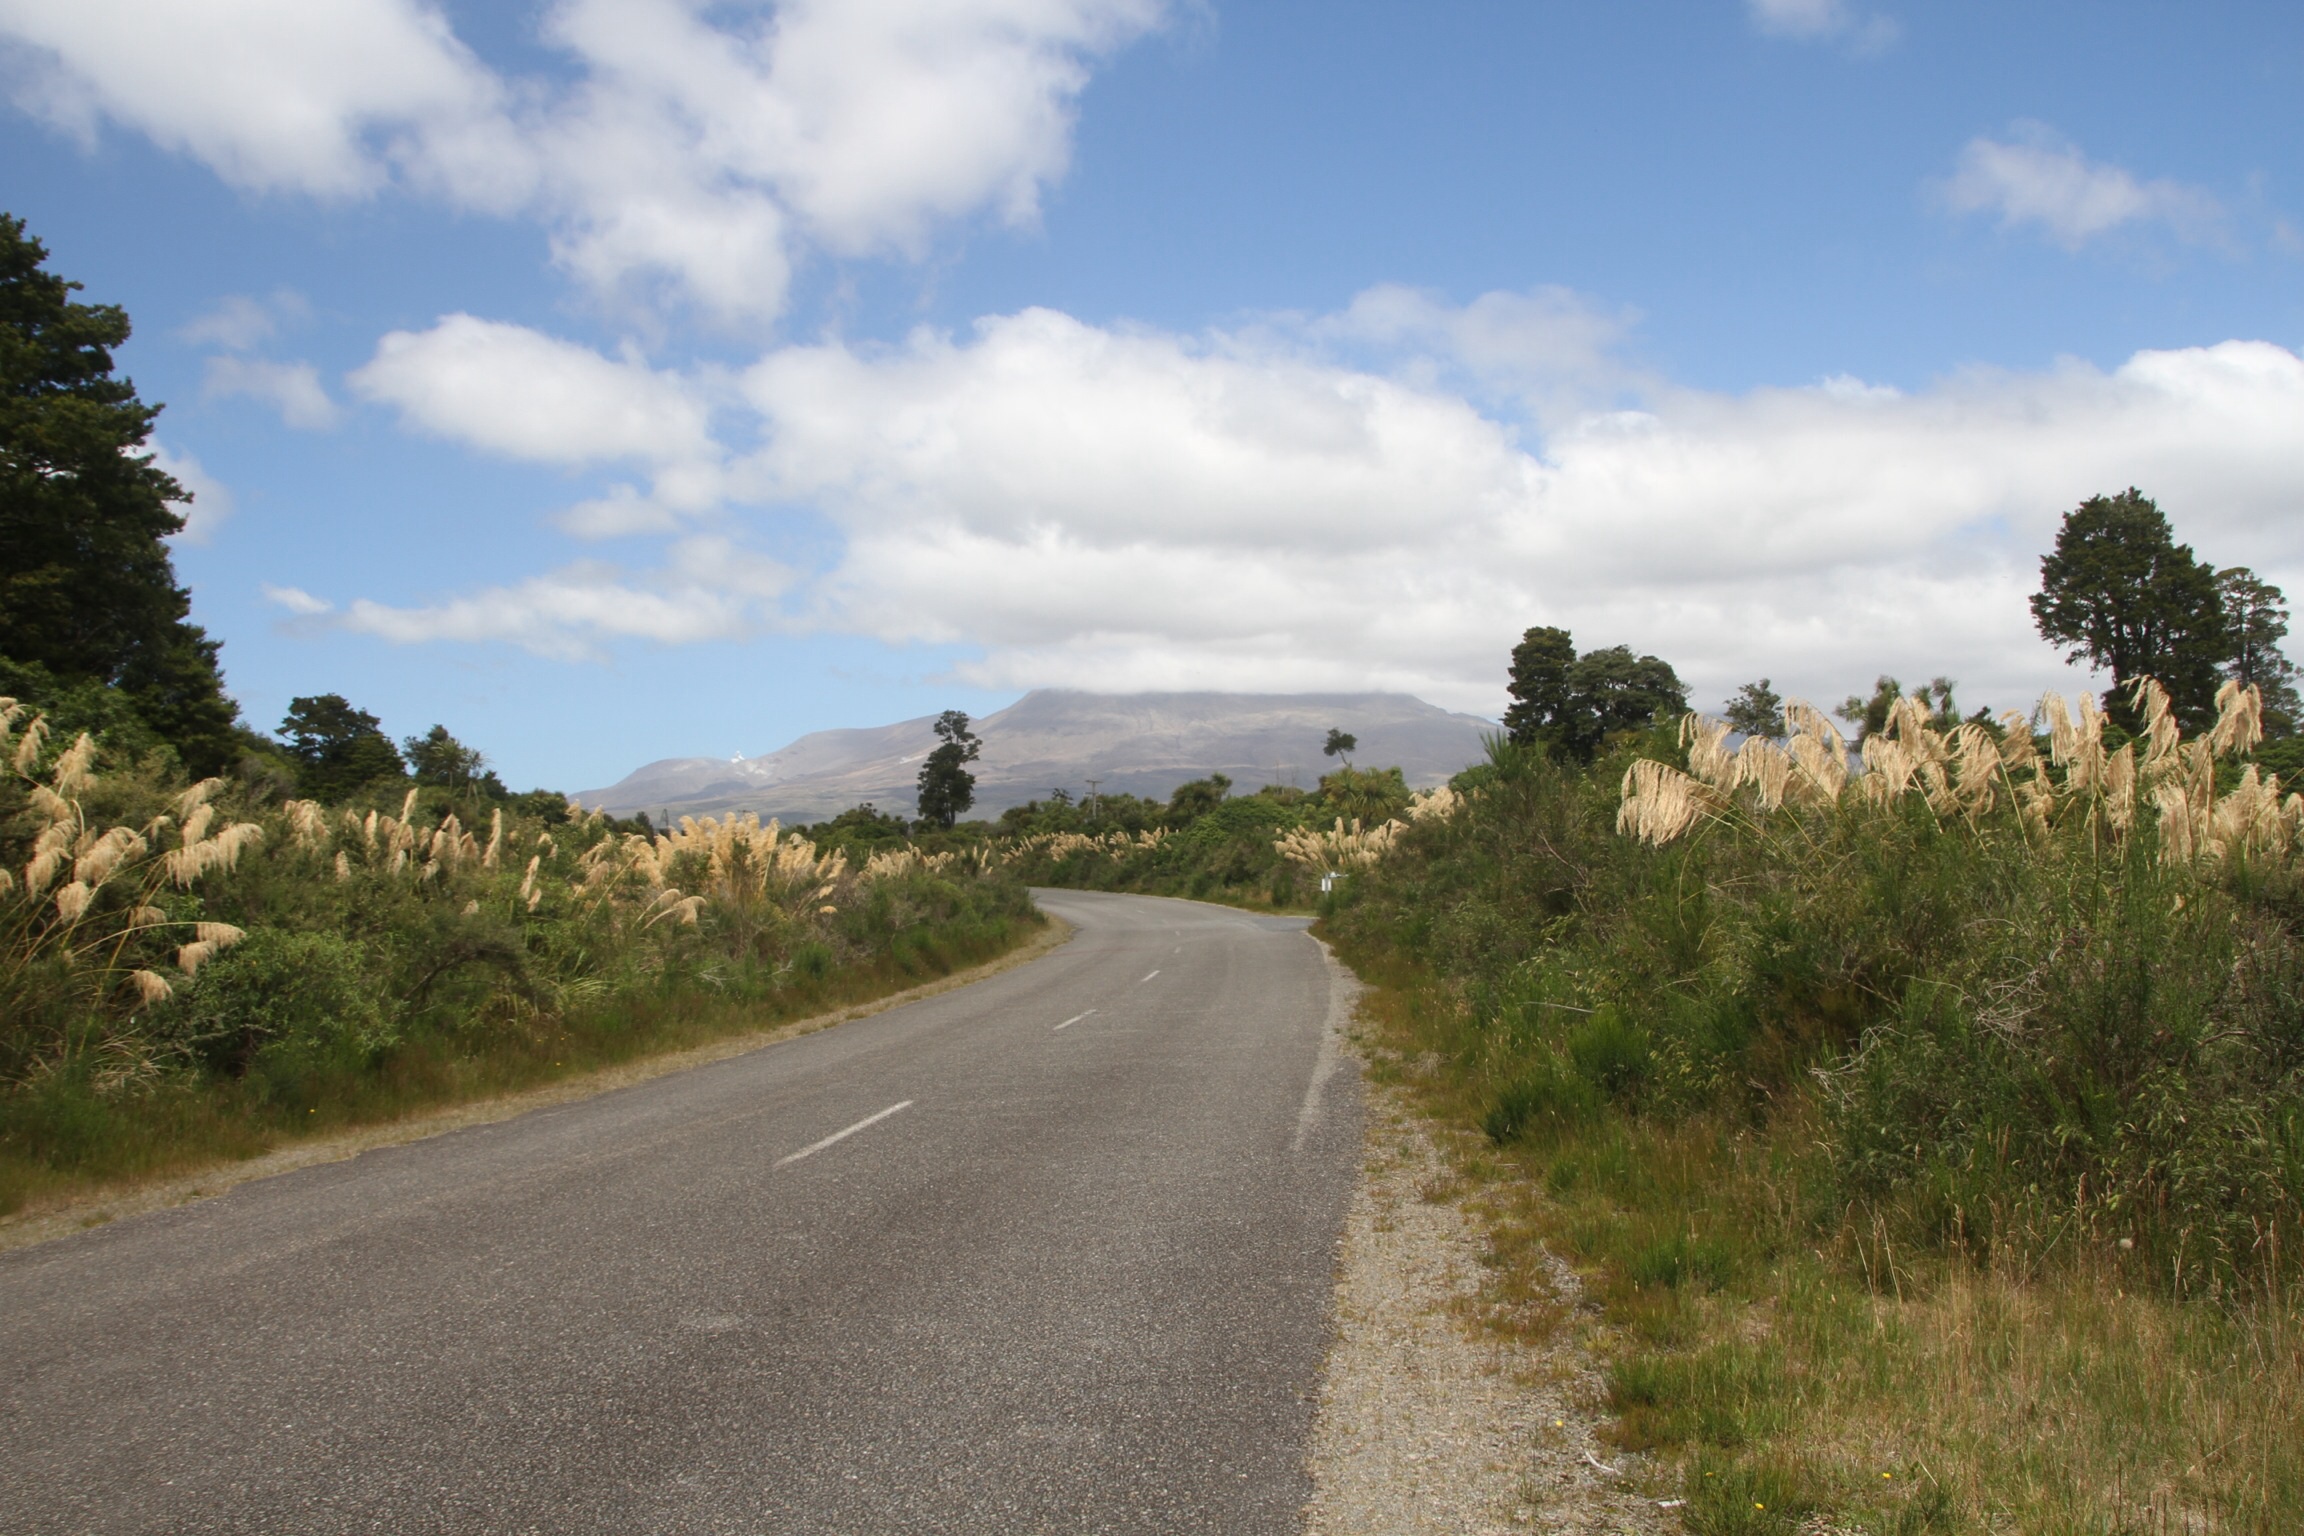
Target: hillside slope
{"points": [[1134, 743]]}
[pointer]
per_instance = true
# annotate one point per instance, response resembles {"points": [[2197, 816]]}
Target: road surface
{"points": [[1053, 1252]]}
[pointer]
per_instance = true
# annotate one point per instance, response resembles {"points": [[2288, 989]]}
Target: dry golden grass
{"points": [[54, 913], [1964, 771]]}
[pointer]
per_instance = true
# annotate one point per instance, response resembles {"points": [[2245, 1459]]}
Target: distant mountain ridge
{"points": [[1130, 743]]}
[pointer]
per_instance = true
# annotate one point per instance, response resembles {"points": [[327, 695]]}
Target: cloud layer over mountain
{"points": [[1128, 508]]}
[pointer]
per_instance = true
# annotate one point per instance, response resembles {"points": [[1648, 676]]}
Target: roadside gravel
{"points": [[1425, 1424]]}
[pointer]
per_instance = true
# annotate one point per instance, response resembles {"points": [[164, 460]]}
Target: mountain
{"points": [[1132, 743]]}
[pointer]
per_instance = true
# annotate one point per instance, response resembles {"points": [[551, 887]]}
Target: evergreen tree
{"points": [[865, 824], [1613, 690], [87, 590], [947, 788], [1539, 683], [2119, 592], [338, 749], [1195, 799], [1870, 715]]}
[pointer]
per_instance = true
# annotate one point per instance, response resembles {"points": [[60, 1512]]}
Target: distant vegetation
{"points": [[188, 970]]}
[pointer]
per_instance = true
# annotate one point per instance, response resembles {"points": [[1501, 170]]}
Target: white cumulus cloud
{"points": [[326, 97], [1105, 508], [2037, 178], [296, 600], [1551, 350], [1812, 19], [292, 389], [689, 145], [517, 392], [709, 590]]}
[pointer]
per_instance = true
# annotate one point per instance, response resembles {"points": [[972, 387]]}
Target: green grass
{"points": [[1777, 1368]]}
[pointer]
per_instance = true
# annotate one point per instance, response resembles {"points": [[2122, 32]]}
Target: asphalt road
{"points": [[1075, 1277]]}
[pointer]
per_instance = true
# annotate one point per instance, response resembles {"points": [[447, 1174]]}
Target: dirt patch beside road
{"points": [[1427, 1422]]}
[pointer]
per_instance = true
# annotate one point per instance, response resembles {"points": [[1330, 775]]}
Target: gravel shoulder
{"points": [[1426, 1421]]}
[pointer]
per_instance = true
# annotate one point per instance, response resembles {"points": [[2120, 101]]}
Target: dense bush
{"points": [[2018, 1010], [1268, 849], [181, 965]]}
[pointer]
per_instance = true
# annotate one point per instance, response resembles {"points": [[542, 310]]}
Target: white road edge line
{"points": [[812, 1149], [1148, 978], [1068, 1023]]}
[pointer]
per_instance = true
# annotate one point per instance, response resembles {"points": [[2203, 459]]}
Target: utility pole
{"points": [[1092, 783]]}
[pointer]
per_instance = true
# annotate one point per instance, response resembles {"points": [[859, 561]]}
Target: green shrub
{"points": [[1610, 1054], [286, 994], [1547, 1094]]}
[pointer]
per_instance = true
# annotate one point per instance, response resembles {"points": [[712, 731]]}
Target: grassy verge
{"points": [[1784, 1376], [64, 1137], [1931, 1141]]}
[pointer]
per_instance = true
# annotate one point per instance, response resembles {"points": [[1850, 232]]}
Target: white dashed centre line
{"points": [[1076, 1018], [815, 1147], [1148, 977]]}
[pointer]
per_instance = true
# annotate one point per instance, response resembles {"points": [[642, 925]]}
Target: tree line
{"points": [[2117, 592]]}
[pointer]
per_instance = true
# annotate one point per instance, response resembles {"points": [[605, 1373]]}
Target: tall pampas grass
{"points": [[88, 926], [1345, 846], [1966, 772], [354, 930]]}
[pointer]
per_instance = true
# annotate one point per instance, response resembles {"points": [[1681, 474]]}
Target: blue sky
{"points": [[615, 379]]}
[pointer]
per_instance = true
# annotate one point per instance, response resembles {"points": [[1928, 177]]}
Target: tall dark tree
{"points": [[338, 749], [947, 788], [1572, 704], [87, 589], [1757, 710], [1340, 743], [1539, 683], [2257, 612], [2119, 593], [1613, 690]]}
